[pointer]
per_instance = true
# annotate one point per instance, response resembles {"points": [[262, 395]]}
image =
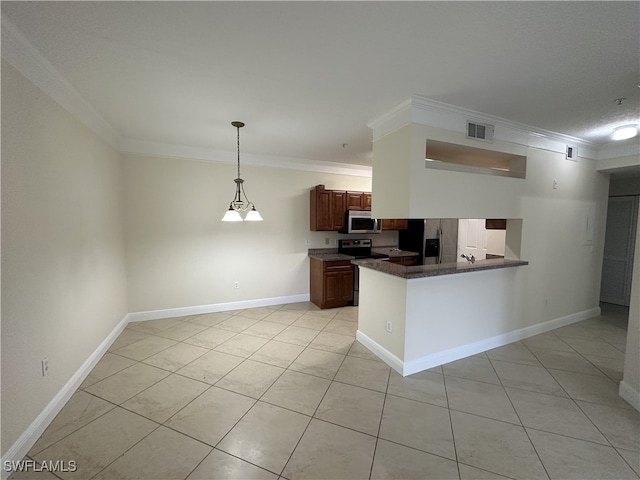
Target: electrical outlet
{"points": [[236, 284], [389, 326], [555, 184], [307, 242], [326, 241], [45, 366]]}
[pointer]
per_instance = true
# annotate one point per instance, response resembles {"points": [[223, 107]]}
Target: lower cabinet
{"points": [[331, 283], [407, 261]]}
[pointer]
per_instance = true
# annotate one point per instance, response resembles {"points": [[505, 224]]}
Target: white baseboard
{"points": [[631, 396], [215, 307], [452, 354], [29, 437], [388, 357]]}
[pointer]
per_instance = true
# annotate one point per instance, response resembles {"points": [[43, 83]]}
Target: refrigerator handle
{"points": [[440, 245]]}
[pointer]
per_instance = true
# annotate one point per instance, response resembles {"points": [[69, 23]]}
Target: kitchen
{"points": [[334, 281]]}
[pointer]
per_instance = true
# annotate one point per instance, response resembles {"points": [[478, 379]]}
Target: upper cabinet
{"points": [[394, 224], [495, 224], [329, 207], [358, 201]]}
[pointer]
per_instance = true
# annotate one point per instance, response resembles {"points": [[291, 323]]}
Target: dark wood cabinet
{"points": [[358, 201], [495, 224], [367, 201], [331, 283], [394, 224], [328, 209], [407, 261], [355, 201], [338, 209]]}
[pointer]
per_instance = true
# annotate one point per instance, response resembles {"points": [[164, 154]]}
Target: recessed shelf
{"points": [[461, 158]]}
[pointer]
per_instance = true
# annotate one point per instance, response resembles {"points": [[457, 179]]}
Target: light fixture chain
{"points": [[238, 149]]}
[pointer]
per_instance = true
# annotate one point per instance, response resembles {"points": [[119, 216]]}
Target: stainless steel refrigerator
{"points": [[435, 239]]}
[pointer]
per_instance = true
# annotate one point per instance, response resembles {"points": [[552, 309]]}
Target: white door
{"points": [[472, 238], [619, 242]]}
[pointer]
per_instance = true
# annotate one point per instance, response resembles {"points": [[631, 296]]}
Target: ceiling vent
{"points": [[480, 131]]}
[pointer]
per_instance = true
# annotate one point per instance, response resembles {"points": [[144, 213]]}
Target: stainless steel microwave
{"points": [[360, 221]]}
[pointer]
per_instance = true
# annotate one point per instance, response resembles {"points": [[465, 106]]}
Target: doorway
{"points": [[620, 238]]}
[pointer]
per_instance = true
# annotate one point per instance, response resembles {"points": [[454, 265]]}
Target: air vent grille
{"points": [[480, 131]]}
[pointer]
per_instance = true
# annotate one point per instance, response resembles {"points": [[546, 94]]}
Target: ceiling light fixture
{"points": [[238, 205], [624, 132]]}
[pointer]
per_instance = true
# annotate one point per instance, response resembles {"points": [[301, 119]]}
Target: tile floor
{"points": [[287, 392]]}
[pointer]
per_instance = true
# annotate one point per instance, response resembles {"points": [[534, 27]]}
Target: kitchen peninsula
{"points": [[334, 277], [419, 317]]}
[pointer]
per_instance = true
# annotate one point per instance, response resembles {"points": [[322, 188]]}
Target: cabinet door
{"points": [[401, 223], [355, 201], [320, 210], [331, 288], [338, 209], [409, 261], [346, 287], [367, 201], [388, 224]]}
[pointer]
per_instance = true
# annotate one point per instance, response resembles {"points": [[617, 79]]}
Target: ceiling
{"points": [[306, 77]]}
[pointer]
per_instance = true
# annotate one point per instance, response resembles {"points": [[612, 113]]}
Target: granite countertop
{"points": [[422, 271], [331, 254], [393, 252], [328, 254]]}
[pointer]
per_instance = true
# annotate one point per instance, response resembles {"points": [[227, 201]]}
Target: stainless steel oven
{"points": [[358, 248]]}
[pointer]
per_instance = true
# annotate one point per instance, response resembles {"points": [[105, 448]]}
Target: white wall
{"points": [[563, 276], [383, 298], [63, 275], [496, 241], [179, 253]]}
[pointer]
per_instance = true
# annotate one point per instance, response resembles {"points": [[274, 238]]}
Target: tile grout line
{"points": [[313, 416], [519, 419], [575, 403], [158, 425], [375, 447], [453, 435], [74, 431]]}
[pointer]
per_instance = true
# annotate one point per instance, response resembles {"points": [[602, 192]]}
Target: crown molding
{"points": [[23, 56], [424, 111], [165, 150]]}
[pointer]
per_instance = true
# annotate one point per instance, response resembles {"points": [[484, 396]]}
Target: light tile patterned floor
{"points": [[287, 392]]}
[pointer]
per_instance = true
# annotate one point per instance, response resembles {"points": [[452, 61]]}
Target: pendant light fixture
{"points": [[238, 205]]}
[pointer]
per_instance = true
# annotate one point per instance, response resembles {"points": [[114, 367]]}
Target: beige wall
{"points": [[179, 253], [390, 174], [63, 275]]}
